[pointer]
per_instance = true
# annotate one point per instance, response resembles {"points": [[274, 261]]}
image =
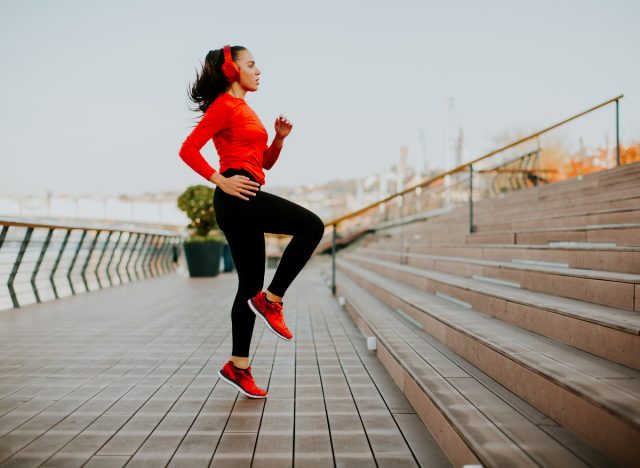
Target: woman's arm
{"points": [[272, 152], [213, 120], [283, 126]]}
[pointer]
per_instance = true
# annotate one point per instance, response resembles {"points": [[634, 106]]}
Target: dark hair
{"points": [[210, 82]]}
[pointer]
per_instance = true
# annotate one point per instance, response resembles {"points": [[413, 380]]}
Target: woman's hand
{"points": [[283, 126], [238, 185]]}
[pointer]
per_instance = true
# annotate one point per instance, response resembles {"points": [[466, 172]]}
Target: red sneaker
{"points": [[241, 379], [271, 315]]}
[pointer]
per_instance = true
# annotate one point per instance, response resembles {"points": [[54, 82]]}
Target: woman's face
{"points": [[249, 71]]}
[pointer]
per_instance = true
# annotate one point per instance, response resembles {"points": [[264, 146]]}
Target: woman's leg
{"points": [[278, 215], [248, 251], [247, 246]]}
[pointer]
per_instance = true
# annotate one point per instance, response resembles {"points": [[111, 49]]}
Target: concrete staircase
{"points": [[518, 344]]}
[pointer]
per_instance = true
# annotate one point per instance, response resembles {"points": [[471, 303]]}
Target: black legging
{"points": [[244, 223]]}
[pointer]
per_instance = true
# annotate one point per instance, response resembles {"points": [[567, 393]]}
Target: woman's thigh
{"points": [[277, 215], [245, 237], [232, 212], [247, 248]]}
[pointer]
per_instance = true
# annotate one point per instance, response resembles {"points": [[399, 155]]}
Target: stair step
{"points": [[581, 391], [631, 215], [532, 265], [600, 287], [623, 234], [574, 254], [523, 211], [609, 178], [473, 418], [540, 205], [569, 200], [608, 332]]}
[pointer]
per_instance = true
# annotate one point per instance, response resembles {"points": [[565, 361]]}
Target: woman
{"points": [[244, 212]]}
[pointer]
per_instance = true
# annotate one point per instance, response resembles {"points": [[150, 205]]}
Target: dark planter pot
{"points": [[203, 258]]}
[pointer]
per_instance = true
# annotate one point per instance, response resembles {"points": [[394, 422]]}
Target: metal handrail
{"points": [[468, 166], [28, 222], [98, 254]]}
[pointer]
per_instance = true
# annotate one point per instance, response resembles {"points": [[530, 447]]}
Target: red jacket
{"points": [[238, 135]]}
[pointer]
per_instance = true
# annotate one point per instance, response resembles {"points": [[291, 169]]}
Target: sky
{"points": [[94, 94]]}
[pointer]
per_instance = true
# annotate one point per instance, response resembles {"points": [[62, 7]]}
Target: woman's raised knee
{"points": [[316, 227], [311, 228]]}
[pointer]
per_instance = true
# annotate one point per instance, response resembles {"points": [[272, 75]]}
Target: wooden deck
{"points": [[127, 376]]}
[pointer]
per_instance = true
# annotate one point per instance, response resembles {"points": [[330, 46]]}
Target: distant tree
{"points": [[630, 154]]}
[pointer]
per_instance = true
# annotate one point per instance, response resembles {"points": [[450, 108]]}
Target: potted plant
{"points": [[203, 247]]}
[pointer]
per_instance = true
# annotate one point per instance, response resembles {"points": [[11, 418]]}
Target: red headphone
{"points": [[229, 67]]}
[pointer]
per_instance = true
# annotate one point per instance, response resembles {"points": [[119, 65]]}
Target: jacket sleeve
{"points": [[270, 156], [213, 120]]}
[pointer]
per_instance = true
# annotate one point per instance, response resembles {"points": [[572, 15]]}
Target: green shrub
{"points": [[197, 203]]}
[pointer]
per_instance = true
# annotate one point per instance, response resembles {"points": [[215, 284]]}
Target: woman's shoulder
{"points": [[224, 102], [226, 99]]}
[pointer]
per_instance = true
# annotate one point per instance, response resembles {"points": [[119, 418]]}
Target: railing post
{"points": [[43, 250], [55, 265], [471, 227], [123, 252], [145, 262], [144, 250], [133, 251], [157, 253], [149, 257], [104, 249], [73, 261], [83, 272], [138, 264], [333, 260], [617, 132], [16, 265], [166, 251], [401, 229], [3, 234]]}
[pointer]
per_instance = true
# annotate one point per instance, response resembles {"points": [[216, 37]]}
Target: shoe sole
{"points": [[265, 321], [239, 388]]}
